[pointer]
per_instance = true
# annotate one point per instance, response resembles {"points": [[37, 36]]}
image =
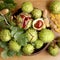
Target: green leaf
{"points": [[20, 53], [21, 39], [9, 1], [15, 29], [3, 25], [1, 18], [8, 17], [2, 6], [17, 35], [10, 4], [4, 45], [11, 53], [2, 22]]}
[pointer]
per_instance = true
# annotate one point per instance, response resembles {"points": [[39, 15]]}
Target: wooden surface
{"points": [[41, 4]]}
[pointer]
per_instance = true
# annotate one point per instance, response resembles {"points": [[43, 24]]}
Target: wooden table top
{"points": [[41, 4]]}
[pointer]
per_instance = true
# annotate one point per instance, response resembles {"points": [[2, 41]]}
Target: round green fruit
{"points": [[5, 35], [53, 50], [36, 13], [46, 35], [14, 46], [24, 20], [38, 44], [28, 49], [27, 7], [31, 35], [55, 7]]}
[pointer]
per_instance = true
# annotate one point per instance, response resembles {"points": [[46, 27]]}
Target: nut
{"points": [[4, 11], [46, 20]]}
